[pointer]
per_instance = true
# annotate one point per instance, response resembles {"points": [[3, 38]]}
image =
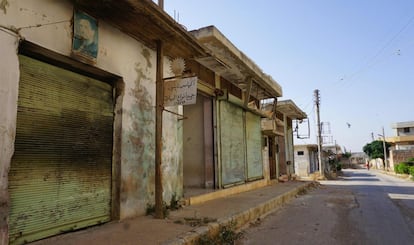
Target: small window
{"points": [[300, 153], [406, 130]]}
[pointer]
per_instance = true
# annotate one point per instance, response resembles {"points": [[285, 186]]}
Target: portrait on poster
{"points": [[85, 36]]}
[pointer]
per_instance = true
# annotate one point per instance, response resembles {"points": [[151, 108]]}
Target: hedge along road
{"points": [[361, 207]]}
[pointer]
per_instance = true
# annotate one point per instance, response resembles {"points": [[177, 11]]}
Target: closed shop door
{"points": [[198, 154], [60, 176], [233, 147], [254, 146]]}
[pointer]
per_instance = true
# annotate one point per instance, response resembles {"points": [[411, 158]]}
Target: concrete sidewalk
{"points": [[187, 224]]}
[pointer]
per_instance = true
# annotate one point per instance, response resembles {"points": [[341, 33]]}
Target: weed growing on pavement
{"points": [[227, 235], [197, 221], [302, 191], [174, 205], [150, 210]]}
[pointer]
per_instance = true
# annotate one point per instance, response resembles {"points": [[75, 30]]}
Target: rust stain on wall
{"points": [[3, 5], [145, 52], [129, 185], [137, 185], [172, 158]]}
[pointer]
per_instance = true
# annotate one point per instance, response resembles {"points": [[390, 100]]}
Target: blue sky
{"points": [[358, 53]]}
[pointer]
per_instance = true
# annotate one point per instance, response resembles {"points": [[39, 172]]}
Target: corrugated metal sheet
{"points": [[254, 146], [60, 176], [233, 146]]}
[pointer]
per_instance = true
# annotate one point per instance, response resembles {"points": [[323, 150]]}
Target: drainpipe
{"points": [[159, 102]]}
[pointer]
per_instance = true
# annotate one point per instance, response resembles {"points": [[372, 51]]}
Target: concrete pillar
{"points": [[9, 83]]}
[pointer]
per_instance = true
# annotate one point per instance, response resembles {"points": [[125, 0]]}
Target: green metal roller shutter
{"points": [[60, 176], [233, 148], [254, 146]]}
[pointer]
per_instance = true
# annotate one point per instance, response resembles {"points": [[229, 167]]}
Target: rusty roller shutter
{"points": [[60, 176]]}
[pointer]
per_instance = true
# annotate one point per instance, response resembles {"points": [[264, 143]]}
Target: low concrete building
{"points": [[78, 99], [306, 159], [402, 143], [403, 138], [80, 107], [224, 125], [279, 131]]}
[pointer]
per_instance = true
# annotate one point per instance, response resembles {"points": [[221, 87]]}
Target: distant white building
{"points": [[403, 138], [402, 143], [358, 158]]}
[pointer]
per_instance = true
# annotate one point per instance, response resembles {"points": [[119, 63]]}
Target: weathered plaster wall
{"points": [[136, 64], [266, 168], [172, 160], [9, 80], [302, 162], [47, 23]]}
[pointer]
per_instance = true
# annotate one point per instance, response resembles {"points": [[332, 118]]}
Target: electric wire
{"points": [[374, 60]]}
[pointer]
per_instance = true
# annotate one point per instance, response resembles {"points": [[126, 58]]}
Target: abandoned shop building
{"points": [[82, 119]]}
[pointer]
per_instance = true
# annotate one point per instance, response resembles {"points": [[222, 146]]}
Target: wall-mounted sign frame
{"points": [[85, 37], [180, 91]]}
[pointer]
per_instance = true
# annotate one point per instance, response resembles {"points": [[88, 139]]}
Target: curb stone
{"points": [[241, 219]]}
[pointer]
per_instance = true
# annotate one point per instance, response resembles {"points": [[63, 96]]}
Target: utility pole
{"points": [[385, 149], [336, 154], [319, 136]]}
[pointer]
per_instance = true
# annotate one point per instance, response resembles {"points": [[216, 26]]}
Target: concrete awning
{"points": [[402, 125], [400, 139], [308, 146], [147, 22], [232, 64], [289, 108]]}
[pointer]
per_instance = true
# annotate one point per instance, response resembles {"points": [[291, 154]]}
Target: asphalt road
{"points": [[362, 207]]}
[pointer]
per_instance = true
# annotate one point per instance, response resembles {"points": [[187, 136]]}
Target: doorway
{"points": [[198, 154]]}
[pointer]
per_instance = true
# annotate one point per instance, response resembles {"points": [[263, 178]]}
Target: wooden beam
{"points": [[159, 104], [248, 90]]}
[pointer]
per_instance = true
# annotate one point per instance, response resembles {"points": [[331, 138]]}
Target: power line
{"points": [[371, 62]]}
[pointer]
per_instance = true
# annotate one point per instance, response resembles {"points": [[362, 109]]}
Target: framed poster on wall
{"points": [[85, 37]]}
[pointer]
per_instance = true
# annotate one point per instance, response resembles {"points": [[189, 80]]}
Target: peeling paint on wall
{"points": [[137, 171], [172, 152], [8, 106], [172, 158], [147, 56], [132, 61], [3, 6]]}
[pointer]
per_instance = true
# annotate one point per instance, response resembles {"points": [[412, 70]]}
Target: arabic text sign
{"points": [[180, 91]]}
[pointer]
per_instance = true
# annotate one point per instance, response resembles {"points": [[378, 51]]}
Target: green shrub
{"points": [[227, 235], [397, 168], [402, 168], [405, 168], [411, 169]]}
